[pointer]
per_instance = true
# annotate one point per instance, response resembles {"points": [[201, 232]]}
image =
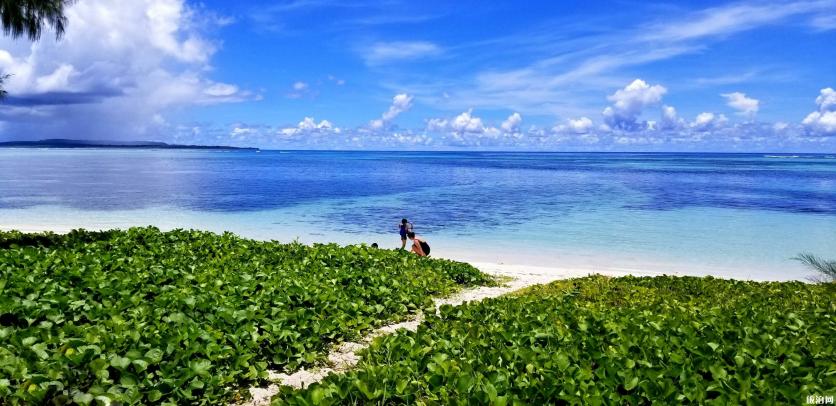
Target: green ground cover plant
{"points": [[599, 340], [185, 317]]}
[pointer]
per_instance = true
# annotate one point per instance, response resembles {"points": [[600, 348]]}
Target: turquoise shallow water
{"points": [[734, 214]]}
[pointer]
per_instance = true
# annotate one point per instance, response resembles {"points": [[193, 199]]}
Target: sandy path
{"points": [[343, 357]]}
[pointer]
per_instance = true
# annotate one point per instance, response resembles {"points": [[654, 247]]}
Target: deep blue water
{"points": [[451, 194]]}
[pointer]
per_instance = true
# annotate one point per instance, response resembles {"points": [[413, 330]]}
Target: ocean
{"points": [[733, 215]]}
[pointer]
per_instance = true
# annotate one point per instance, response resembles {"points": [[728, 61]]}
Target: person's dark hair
{"points": [[410, 234], [403, 221], [374, 245]]}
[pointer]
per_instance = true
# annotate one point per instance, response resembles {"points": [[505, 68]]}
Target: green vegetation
{"points": [[149, 317], [598, 340], [825, 268]]}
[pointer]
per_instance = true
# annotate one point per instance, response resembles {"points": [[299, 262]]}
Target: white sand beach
{"points": [[528, 264]]}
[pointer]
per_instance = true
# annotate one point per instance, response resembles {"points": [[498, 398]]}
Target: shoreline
{"points": [[519, 266]]}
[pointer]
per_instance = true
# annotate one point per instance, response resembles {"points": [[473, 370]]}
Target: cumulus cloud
{"points": [[670, 119], [823, 121], [437, 124], [582, 125], [629, 102], [467, 123], [708, 121], [745, 106], [400, 103], [512, 123], [309, 126], [110, 79], [466, 129]]}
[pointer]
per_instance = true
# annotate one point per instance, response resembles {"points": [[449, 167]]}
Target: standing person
{"points": [[403, 228], [419, 246]]}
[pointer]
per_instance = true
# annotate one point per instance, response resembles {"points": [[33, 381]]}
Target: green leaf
{"points": [[154, 395], [83, 398], [317, 395], [718, 372], [200, 367], [40, 350], [562, 361], [154, 355], [98, 364], [140, 365], [119, 362], [631, 383]]}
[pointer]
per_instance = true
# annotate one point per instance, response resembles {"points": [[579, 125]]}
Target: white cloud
{"points": [[730, 19], [387, 52], [582, 125], [512, 123], [823, 121], [437, 124], [400, 103], [467, 129], [553, 69], [309, 126], [221, 90], [708, 121], [300, 89], [640, 140], [467, 123], [239, 131], [670, 119], [826, 100], [824, 22], [59, 80], [464, 123], [376, 124], [119, 65], [629, 102], [309, 123], [745, 106], [166, 20]]}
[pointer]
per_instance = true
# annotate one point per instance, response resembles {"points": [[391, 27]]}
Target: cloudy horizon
{"points": [[317, 74]]}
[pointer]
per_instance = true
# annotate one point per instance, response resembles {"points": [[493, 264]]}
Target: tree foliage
{"points": [[30, 17], [826, 268]]}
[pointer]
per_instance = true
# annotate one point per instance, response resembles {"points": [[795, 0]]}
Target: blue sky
{"points": [[624, 75]]}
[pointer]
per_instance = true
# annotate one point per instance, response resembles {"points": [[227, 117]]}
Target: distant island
{"points": [[67, 143]]}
